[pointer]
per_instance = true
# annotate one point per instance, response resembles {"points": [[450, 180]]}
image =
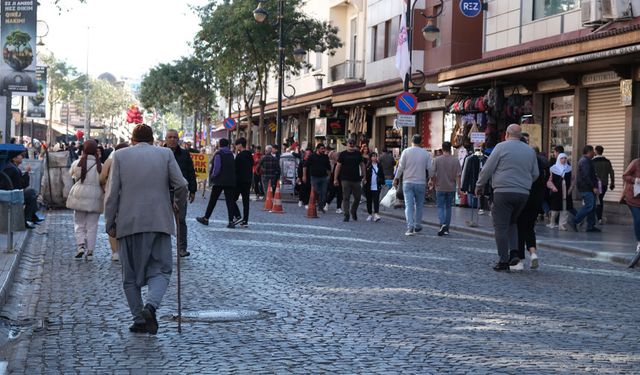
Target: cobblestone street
{"points": [[355, 297]]}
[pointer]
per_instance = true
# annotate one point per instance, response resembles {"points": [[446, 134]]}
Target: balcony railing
{"points": [[347, 70]]}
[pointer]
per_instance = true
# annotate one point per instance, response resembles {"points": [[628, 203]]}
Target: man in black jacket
{"points": [[20, 180], [587, 184], [244, 177], [222, 178], [188, 172]]}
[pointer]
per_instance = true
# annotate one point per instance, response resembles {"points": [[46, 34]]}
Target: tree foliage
{"points": [[107, 100]]}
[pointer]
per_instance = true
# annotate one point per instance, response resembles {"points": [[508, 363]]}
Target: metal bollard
{"points": [[9, 231]]}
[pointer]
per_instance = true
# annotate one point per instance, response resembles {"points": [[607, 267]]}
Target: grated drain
{"points": [[219, 316]]}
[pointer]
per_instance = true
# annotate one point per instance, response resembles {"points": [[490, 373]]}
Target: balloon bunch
{"points": [[134, 115], [79, 134]]}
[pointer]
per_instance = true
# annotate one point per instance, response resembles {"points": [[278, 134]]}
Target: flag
{"points": [[403, 59]]}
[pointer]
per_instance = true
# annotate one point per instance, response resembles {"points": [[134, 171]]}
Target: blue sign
{"points": [[406, 103], [229, 123], [471, 8]]}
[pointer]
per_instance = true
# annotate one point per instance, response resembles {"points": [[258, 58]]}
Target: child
{"points": [[373, 182]]}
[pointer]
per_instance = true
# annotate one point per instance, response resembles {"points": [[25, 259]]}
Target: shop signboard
{"points": [[406, 121], [626, 92], [337, 127], [477, 138], [18, 38], [535, 134], [36, 107], [320, 128], [470, 8]]}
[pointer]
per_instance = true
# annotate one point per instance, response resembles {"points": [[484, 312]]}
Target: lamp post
{"points": [[260, 15], [430, 33]]}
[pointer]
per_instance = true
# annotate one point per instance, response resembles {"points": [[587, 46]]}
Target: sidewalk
{"points": [[616, 243], [9, 262]]}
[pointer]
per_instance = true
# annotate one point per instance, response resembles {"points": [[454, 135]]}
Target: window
{"points": [[546, 8], [393, 27], [379, 42], [385, 38], [318, 63]]}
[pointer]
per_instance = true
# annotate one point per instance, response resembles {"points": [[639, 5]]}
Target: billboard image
{"points": [[36, 108], [18, 42]]}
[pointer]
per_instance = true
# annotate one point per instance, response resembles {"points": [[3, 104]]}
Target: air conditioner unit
{"points": [[591, 12], [616, 9]]}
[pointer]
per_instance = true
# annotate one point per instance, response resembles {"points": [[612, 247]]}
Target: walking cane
{"points": [[175, 215]]}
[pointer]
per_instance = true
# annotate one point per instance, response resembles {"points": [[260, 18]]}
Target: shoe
{"points": [[237, 220], [354, 216], [36, 220], [418, 229], [346, 219], [594, 230], [115, 257], [89, 256], [326, 207], [184, 253], [534, 261], [28, 225], [339, 211], [377, 218], [79, 253], [150, 321], [446, 230], [202, 220], [306, 207], [244, 224], [138, 328], [501, 267], [369, 218], [410, 232], [480, 212], [514, 259], [231, 226], [518, 267], [299, 203], [441, 231]]}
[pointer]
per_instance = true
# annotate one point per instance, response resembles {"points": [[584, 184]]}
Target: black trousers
{"points": [[257, 186], [373, 199], [243, 190], [229, 194], [526, 229], [334, 192], [30, 204], [305, 192]]}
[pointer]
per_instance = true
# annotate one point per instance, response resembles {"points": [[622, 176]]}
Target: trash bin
{"points": [[11, 214]]}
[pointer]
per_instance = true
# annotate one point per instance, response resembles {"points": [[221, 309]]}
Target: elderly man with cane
{"points": [[138, 212]]}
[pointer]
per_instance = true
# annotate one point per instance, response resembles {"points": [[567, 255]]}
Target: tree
{"points": [[64, 83], [242, 53]]}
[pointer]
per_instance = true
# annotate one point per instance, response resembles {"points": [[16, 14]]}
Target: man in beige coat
{"points": [[139, 182]]}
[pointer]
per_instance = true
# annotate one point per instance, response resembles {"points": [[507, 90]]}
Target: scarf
{"points": [[561, 169]]}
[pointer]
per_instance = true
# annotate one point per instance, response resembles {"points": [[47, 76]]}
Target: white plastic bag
{"points": [[636, 188], [389, 199]]}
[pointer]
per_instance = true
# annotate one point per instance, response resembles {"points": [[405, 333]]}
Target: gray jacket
{"points": [[137, 196], [512, 167]]}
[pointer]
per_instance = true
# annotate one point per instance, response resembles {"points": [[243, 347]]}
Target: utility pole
{"points": [[87, 115]]}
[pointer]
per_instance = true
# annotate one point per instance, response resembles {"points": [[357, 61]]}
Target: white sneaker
{"points": [[480, 212], [306, 207], [299, 203], [376, 217], [517, 267], [326, 207], [115, 257], [534, 261], [369, 218], [339, 211]]}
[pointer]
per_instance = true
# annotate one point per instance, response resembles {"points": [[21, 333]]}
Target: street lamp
{"points": [[299, 54], [430, 32]]}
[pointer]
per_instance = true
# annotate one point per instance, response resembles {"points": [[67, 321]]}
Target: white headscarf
{"points": [[559, 168]]}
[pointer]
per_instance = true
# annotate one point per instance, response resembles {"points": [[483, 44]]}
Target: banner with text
{"points": [[18, 38], [36, 107], [201, 165]]}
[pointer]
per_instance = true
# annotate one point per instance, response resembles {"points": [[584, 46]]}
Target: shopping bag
{"points": [[636, 189], [389, 199]]}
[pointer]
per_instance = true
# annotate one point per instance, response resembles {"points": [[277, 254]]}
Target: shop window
{"points": [[561, 123], [546, 8]]}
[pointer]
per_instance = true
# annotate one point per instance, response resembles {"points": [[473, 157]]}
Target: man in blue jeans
{"points": [[317, 171], [445, 178], [414, 166], [587, 184]]}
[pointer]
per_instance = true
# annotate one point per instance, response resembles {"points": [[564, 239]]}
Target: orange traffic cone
{"points": [[268, 203], [277, 201], [312, 212]]}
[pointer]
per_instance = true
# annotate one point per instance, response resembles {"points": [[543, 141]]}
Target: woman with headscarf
{"points": [[560, 184], [86, 198], [104, 180]]}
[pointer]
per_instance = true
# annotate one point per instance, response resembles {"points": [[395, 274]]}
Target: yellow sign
{"points": [[201, 165]]}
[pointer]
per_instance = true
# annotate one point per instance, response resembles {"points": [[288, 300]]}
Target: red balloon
{"points": [[79, 134]]}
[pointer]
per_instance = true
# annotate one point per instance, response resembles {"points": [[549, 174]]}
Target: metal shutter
{"points": [[605, 127]]}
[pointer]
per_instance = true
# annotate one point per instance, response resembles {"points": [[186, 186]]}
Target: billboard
{"points": [[18, 42], [37, 105]]}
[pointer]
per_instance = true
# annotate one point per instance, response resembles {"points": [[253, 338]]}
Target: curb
{"points": [[543, 243], [8, 283]]}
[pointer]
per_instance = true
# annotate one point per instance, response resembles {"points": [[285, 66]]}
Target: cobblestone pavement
{"points": [[355, 297]]}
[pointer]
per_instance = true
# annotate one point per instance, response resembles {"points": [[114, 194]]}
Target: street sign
{"points": [[406, 103], [406, 121], [230, 124], [470, 8]]}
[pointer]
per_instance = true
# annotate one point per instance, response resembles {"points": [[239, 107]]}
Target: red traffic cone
{"points": [[312, 212], [268, 203], [277, 201]]}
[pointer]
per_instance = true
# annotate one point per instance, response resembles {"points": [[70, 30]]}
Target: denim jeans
{"points": [[588, 210], [635, 213], [414, 203], [444, 200], [320, 185]]}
